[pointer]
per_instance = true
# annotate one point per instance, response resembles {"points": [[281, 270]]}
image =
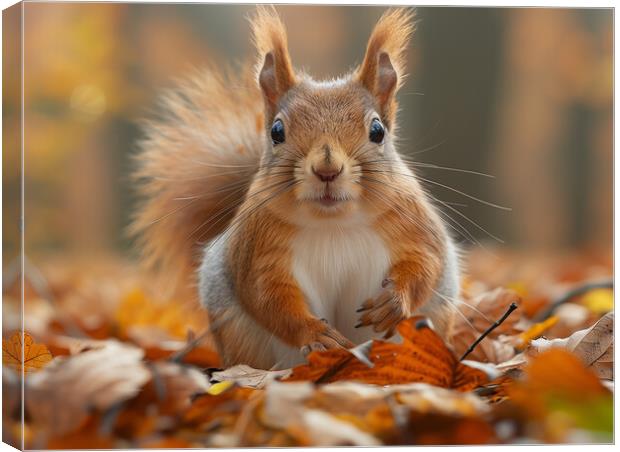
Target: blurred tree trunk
{"points": [[88, 194], [552, 143]]}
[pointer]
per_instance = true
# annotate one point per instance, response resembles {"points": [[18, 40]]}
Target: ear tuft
{"points": [[383, 68], [274, 69]]}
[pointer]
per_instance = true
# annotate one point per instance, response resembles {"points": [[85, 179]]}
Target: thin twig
{"points": [[179, 356], [192, 342], [497, 323], [575, 292]]}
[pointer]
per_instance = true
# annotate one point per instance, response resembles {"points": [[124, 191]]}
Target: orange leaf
{"points": [[574, 381], [535, 331], [422, 357], [172, 317], [20, 350]]}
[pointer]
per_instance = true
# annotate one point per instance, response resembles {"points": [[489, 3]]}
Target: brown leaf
{"points": [[170, 390], [594, 345], [20, 351], [480, 312], [541, 378], [436, 429], [489, 350], [422, 357], [477, 315], [87, 436], [60, 396], [224, 406], [557, 394], [248, 377]]}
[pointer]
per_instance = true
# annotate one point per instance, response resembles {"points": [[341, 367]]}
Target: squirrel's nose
{"points": [[327, 174]]}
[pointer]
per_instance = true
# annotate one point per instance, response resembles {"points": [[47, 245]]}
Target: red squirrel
{"points": [[287, 195]]}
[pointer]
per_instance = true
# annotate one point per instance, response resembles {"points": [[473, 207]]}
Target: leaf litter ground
{"points": [[106, 364]]}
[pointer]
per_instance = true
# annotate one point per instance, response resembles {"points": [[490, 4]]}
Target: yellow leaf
{"points": [[518, 287], [220, 387], [27, 354], [172, 317], [599, 301], [535, 331]]}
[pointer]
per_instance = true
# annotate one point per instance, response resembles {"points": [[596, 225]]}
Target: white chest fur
{"points": [[338, 268]]}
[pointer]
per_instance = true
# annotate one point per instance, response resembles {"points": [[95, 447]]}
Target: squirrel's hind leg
{"points": [[238, 338]]}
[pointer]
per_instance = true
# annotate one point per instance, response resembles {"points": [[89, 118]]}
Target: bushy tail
{"points": [[194, 168]]}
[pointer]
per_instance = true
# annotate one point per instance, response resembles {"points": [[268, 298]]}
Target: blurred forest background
{"points": [[523, 94]]}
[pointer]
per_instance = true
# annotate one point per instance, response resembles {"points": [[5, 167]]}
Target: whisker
{"points": [[458, 212], [456, 309]]}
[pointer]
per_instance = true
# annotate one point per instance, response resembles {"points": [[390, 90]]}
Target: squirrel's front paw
{"points": [[324, 337], [385, 311]]}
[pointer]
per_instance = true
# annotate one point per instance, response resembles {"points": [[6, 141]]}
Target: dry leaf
{"points": [[477, 315], [557, 382], [87, 436], [177, 385], [327, 430], [594, 345], [310, 426], [60, 396], [422, 357], [599, 301], [170, 390], [248, 377], [534, 332], [171, 317], [480, 312], [22, 347], [489, 350], [223, 406]]}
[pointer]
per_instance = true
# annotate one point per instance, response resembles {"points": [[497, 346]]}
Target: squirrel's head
{"points": [[328, 141]]}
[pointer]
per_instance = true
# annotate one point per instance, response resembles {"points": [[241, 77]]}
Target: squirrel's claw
{"points": [[312, 347], [325, 338], [385, 311]]}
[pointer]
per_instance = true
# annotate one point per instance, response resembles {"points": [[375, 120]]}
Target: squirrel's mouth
{"points": [[329, 199]]}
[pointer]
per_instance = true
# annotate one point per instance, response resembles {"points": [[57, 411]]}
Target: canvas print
{"points": [[306, 225]]}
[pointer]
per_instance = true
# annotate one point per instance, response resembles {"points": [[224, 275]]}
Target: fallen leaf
{"points": [[218, 414], [170, 391], [481, 311], [247, 376], [307, 425], [21, 352], [422, 357], [534, 332], [489, 350], [434, 429], [167, 442], [218, 388], [571, 317], [594, 345], [178, 384], [61, 395], [171, 317], [599, 301], [476, 315], [86, 436], [327, 430], [557, 394]]}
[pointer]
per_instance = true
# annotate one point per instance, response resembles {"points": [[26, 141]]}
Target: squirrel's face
{"points": [[322, 138], [329, 141]]}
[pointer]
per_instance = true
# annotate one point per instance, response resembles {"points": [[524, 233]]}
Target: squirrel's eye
{"points": [[377, 132], [277, 132]]}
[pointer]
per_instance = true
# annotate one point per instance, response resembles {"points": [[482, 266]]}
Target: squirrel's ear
{"points": [[383, 69], [276, 75]]}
